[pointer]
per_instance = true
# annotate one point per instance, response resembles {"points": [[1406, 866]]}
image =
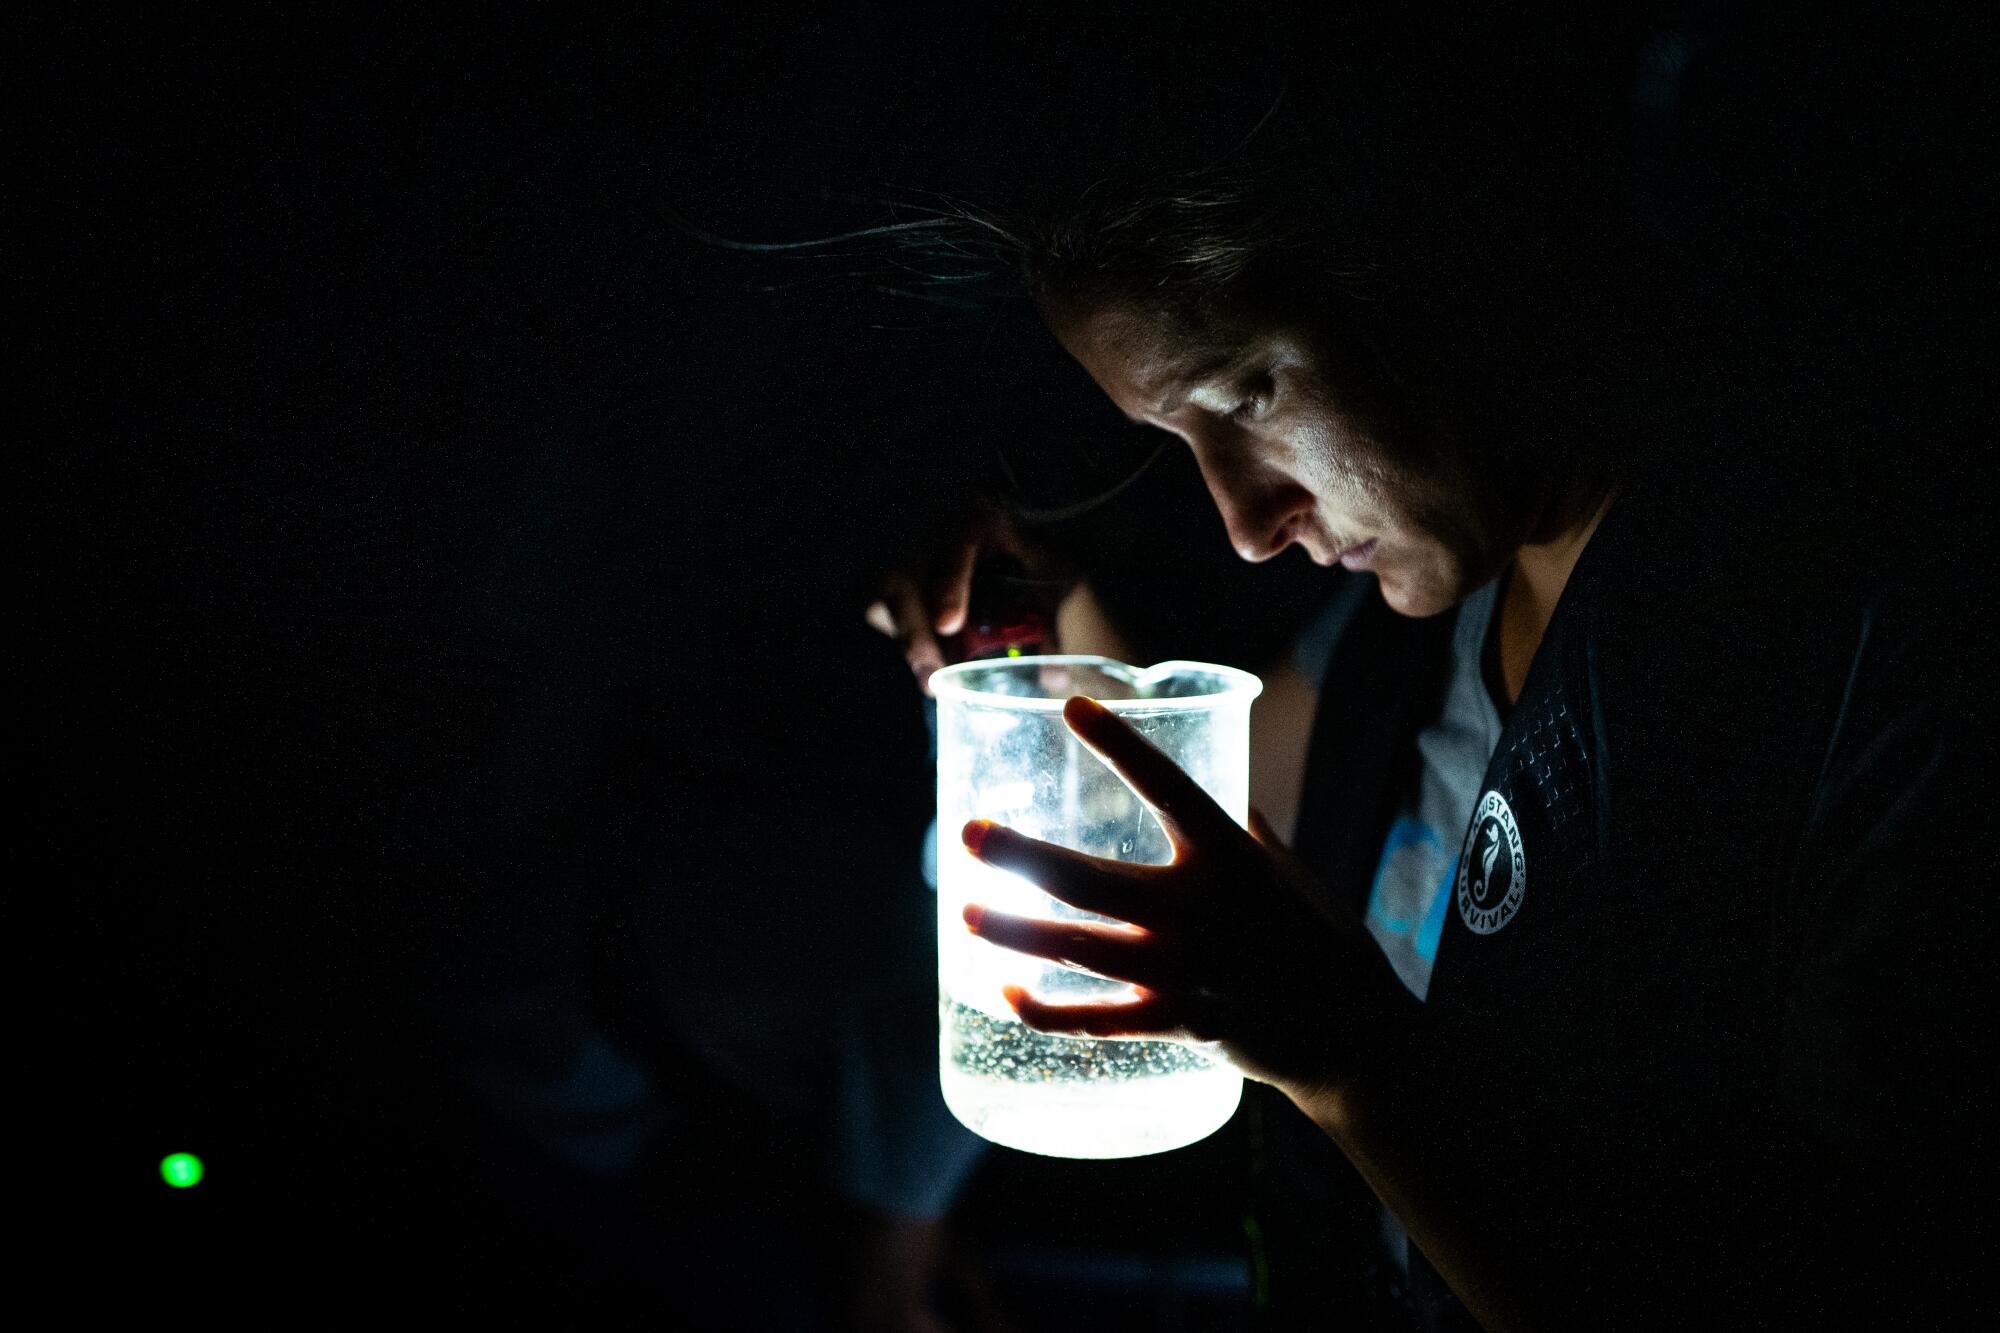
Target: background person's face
{"points": [[1291, 450]]}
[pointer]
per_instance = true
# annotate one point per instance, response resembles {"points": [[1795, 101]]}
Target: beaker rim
{"points": [[1237, 684]]}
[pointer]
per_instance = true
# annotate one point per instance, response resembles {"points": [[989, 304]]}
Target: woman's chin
{"points": [[1419, 596]]}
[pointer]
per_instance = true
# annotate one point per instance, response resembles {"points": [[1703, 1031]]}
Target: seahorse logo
{"points": [[1490, 887], [1490, 834]]}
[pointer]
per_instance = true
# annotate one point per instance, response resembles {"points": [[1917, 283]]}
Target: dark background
{"points": [[434, 549]]}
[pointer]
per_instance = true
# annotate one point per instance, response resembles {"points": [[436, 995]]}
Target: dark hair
{"points": [[1183, 242], [1448, 286], [1181, 239]]}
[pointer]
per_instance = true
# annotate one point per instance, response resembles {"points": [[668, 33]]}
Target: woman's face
{"points": [[1295, 446]]}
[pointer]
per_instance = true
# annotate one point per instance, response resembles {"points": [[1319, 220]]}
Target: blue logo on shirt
{"points": [[1409, 892]]}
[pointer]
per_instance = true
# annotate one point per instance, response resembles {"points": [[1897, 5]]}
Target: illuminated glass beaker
{"points": [[1004, 754]]}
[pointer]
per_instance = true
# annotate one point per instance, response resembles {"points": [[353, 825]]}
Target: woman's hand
{"points": [[1224, 943], [918, 607]]}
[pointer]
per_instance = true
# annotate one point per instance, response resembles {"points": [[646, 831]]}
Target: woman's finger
{"points": [[1118, 952], [951, 592], [1117, 889], [1189, 814], [1149, 1015], [911, 627]]}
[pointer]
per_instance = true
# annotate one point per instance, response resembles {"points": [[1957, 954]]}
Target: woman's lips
{"points": [[1362, 556]]}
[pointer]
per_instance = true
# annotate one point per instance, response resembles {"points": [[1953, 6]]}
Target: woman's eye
{"points": [[1255, 400]]}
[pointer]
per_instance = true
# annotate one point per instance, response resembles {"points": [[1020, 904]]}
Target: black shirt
{"points": [[1703, 993]]}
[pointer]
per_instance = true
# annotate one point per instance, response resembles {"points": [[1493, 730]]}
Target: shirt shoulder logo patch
{"points": [[1492, 870]]}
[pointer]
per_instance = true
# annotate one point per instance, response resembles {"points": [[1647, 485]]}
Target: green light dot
{"points": [[181, 1170]]}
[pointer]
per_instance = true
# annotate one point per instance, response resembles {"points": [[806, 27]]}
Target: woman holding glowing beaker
{"points": [[1679, 1041]]}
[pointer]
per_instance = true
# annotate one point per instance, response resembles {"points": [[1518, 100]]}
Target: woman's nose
{"points": [[1259, 505]]}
